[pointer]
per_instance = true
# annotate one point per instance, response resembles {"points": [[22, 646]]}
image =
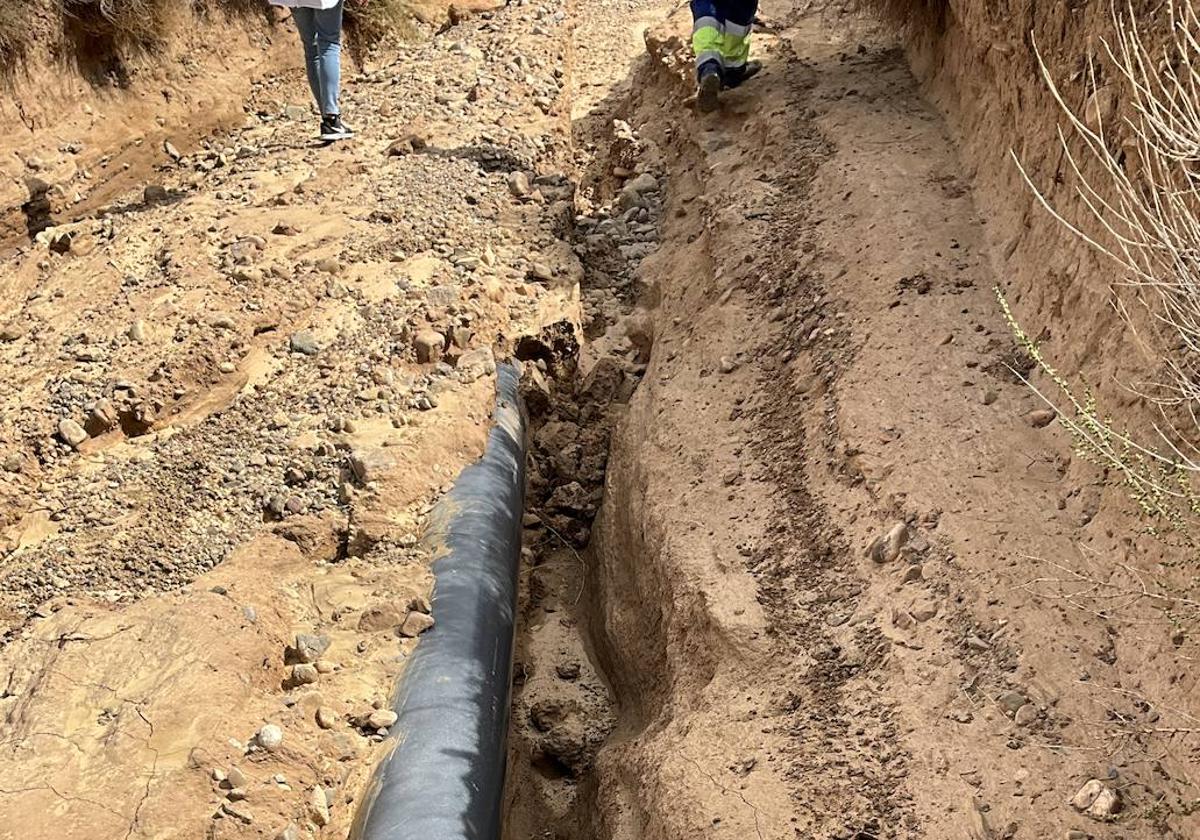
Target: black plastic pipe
{"points": [[444, 779]]}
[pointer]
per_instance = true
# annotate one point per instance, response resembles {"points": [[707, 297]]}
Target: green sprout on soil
{"points": [[1161, 485]]}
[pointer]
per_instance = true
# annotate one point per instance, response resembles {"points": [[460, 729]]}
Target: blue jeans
{"points": [[321, 33]]}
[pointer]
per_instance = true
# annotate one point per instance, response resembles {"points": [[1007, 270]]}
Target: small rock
{"points": [[71, 433], [407, 145], [1097, 799], [567, 671], [1026, 715], [1040, 418], [382, 719], [236, 794], [380, 617], [429, 345], [269, 737], [308, 649], [643, 183], [975, 643], [172, 152], [728, 365], [289, 833], [886, 548], [304, 674], [327, 718], [518, 184], [155, 194], [1011, 701], [415, 624], [137, 331], [238, 812], [329, 265], [318, 807], [304, 342], [236, 778], [14, 463]]}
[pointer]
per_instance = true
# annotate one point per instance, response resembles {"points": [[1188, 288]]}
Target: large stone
{"points": [[887, 547], [429, 345], [308, 648], [380, 617], [415, 623], [269, 737], [71, 433]]}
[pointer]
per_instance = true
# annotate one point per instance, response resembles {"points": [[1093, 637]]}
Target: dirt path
{"points": [[802, 558], [845, 581]]}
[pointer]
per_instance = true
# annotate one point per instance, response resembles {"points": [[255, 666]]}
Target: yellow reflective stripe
{"points": [[735, 49], [707, 39]]}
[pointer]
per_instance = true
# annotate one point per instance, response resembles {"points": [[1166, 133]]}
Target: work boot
{"points": [[735, 76], [708, 91]]}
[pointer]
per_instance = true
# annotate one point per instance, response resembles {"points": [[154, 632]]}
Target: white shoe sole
{"points": [[334, 136]]}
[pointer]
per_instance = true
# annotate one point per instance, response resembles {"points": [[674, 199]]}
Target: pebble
{"points": [[1026, 715], [327, 718], [235, 777], [318, 807], [429, 345], [289, 833], [304, 342], [728, 365], [382, 719], [238, 812], [1011, 702], [518, 184], [887, 547], [269, 737], [415, 624], [1040, 418], [1097, 799], [308, 648], [304, 674], [71, 433]]}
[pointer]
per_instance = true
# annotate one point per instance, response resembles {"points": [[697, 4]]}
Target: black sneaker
{"points": [[332, 128], [708, 91], [737, 75]]}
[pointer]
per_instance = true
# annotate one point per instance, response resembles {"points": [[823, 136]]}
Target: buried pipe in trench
{"points": [[444, 778]]}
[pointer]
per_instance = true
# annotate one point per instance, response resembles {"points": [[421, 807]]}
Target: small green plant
{"points": [[1161, 484]]}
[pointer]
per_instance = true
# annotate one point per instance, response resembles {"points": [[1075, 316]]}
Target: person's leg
{"points": [[329, 58], [708, 27], [735, 44], [707, 36], [307, 27]]}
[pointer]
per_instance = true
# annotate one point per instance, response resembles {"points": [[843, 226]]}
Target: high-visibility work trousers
{"points": [[721, 33]]}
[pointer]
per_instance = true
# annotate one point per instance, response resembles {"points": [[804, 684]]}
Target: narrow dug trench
{"points": [[672, 657]]}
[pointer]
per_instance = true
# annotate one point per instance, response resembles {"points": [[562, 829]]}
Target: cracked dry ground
{"points": [[279, 355]]}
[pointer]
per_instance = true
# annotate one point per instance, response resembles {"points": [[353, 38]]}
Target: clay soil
{"points": [[802, 559]]}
